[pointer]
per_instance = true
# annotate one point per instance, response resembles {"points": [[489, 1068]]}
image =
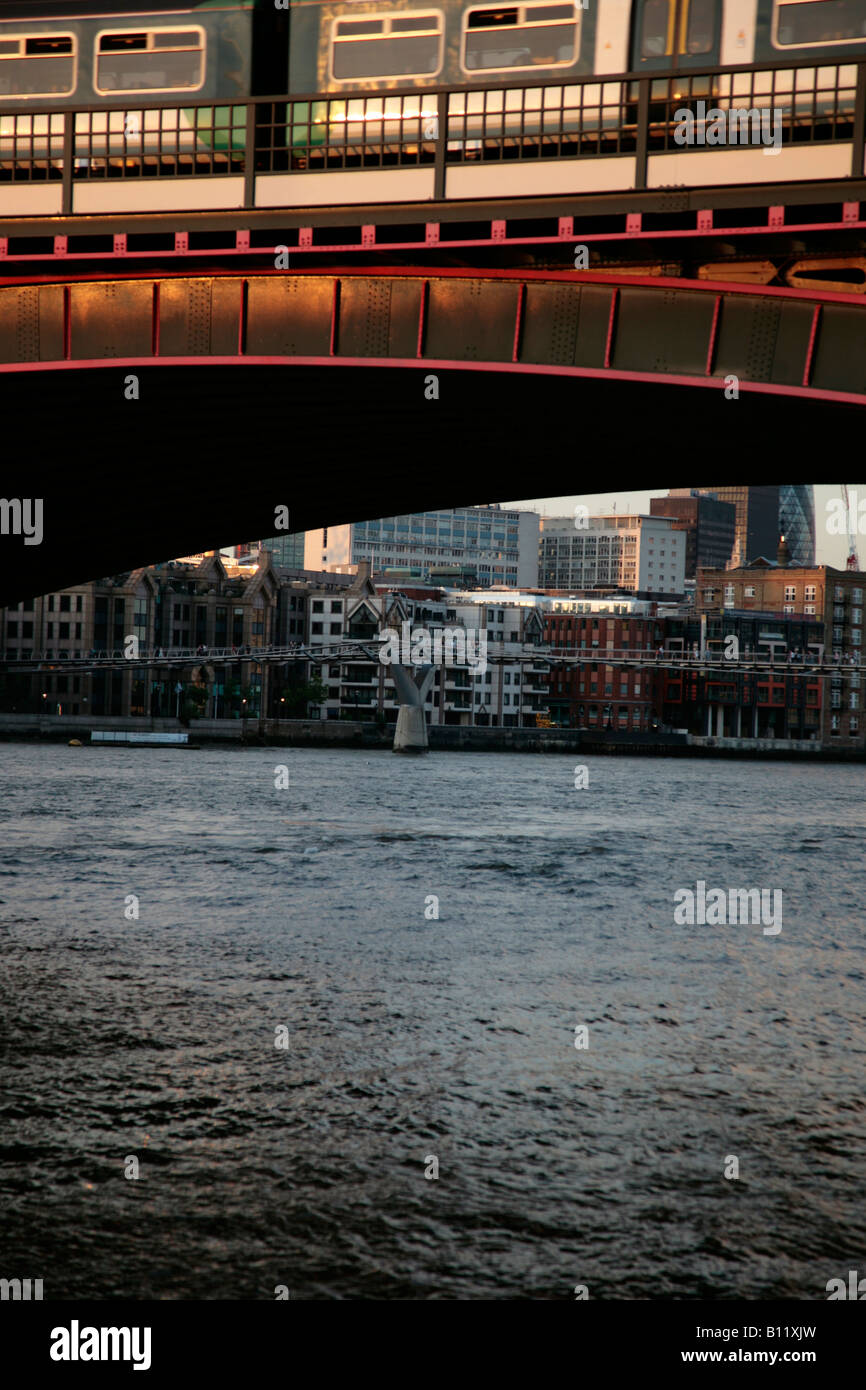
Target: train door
{"points": [[668, 34]]}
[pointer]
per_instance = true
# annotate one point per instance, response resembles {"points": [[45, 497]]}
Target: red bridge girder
{"points": [[624, 327]]}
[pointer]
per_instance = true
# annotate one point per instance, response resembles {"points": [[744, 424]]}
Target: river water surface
{"points": [[413, 1037]]}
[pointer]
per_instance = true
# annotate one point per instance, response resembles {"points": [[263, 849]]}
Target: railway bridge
{"points": [[501, 294]]}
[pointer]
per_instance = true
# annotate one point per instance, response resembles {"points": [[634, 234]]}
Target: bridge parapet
{"points": [[436, 144]]}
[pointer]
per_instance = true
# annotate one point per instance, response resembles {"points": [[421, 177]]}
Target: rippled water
{"points": [[411, 1037]]}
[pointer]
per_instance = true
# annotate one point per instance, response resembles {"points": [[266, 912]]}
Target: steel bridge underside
{"points": [[257, 391]]}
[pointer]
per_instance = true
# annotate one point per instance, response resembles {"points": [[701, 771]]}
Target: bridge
{"points": [[526, 279], [670, 658]]}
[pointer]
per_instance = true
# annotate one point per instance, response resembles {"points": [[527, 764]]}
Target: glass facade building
{"points": [[287, 550], [797, 521], [756, 530]]}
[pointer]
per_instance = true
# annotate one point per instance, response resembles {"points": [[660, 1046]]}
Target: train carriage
{"points": [[359, 51], [355, 81], [61, 54]]}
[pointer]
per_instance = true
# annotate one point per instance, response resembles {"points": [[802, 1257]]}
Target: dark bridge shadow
{"points": [[208, 452]]}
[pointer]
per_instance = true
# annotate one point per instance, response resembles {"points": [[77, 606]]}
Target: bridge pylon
{"points": [[412, 685]]}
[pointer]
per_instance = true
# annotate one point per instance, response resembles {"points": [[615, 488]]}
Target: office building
{"points": [[756, 530], [797, 521], [642, 554], [708, 524], [498, 546]]}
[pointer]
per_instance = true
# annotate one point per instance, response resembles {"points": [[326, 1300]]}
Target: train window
{"points": [[37, 65], [700, 26], [656, 35], [176, 38], [806, 22], [162, 60], [520, 36], [389, 46]]}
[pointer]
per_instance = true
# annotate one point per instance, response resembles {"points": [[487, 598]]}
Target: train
{"points": [[202, 61]]}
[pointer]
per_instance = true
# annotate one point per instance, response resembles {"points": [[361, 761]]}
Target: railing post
{"points": [[858, 150], [68, 158], [640, 158], [441, 147], [250, 157]]}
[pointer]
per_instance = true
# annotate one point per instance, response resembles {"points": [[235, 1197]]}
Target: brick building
{"points": [[209, 604], [714, 697], [833, 598], [595, 695]]}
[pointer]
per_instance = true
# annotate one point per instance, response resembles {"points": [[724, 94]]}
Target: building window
{"points": [[749, 591], [810, 592], [790, 592]]}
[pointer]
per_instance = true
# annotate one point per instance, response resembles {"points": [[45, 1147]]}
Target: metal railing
{"points": [[631, 114], [835, 664]]}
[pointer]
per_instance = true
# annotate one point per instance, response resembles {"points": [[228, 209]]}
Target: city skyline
{"points": [[829, 549]]}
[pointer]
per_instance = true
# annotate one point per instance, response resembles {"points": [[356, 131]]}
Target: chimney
{"points": [[783, 554]]}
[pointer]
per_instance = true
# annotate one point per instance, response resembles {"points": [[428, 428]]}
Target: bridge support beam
{"points": [[410, 736]]}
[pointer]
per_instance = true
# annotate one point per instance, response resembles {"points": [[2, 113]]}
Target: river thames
{"points": [[287, 1038]]}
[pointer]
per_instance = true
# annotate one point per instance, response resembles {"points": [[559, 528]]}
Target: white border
{"points": [[386, 15], [477, 74], [121, 92], [812, 43], [22, 57]]}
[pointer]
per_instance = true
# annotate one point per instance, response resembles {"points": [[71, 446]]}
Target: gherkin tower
{"points": [[797, 521]]}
